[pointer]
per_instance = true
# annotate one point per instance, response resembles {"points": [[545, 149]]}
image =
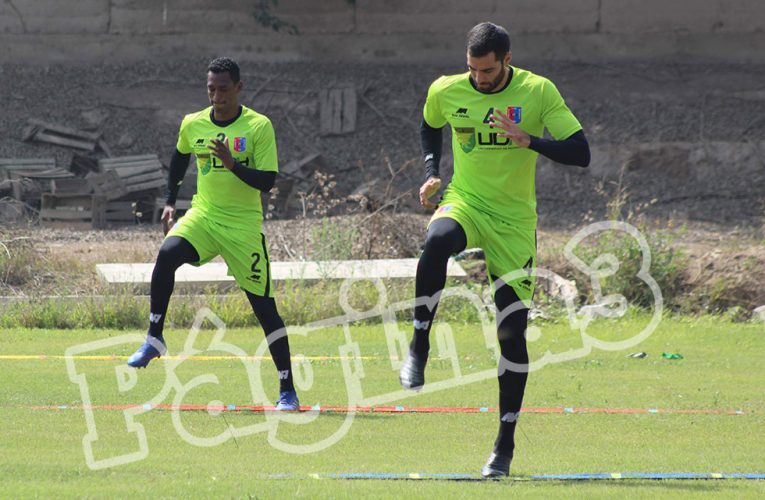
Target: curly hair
{"points": [[225, 65]]}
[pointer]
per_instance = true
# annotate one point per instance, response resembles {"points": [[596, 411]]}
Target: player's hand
{"points": [[509, 129], [428, 189], [220, 150], [168, 218]]}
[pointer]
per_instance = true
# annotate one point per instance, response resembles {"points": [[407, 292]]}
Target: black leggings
{"points": [[276, 334], [512, 319], [176, 251], [446, 238]]}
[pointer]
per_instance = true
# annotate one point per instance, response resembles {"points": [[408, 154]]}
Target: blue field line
{"points": [[601, 476], [646, 475]]}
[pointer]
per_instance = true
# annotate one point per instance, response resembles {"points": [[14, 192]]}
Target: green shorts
{"points": [[243, 250], [511, 251]]}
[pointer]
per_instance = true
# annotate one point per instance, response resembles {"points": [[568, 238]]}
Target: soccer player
{"points": [[235, 152], [498, 114]]}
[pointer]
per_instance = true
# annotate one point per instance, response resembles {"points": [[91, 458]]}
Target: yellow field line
{"points": [[37, 357]]}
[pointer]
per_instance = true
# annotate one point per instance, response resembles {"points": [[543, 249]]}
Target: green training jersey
{"points": [[490, 172], [220, 193]]}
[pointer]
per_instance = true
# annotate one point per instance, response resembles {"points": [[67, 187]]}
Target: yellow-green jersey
{"points": [[220, 193], [490, 172]]}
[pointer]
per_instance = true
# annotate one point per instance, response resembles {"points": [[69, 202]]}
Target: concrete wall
{"points": [[408, 30], [455, 17], [683, 16]]}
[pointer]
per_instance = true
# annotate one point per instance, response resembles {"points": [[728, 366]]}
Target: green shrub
{"points": [[667, 265]]}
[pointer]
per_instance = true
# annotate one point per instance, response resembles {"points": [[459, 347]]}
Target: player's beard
{"points": [[494, 86]]}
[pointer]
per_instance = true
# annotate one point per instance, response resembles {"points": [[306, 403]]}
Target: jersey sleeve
{"points": [[432, 112], [184, 143], [265, 148], [556, 116]]}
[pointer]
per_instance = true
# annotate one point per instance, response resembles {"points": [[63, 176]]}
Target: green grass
{"points": [[124, 309], [41, 452]]}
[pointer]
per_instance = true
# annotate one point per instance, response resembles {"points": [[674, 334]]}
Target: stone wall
{"points": [[401, 30]]}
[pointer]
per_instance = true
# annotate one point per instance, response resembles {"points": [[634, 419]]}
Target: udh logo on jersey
{"points": [[240, 144]]}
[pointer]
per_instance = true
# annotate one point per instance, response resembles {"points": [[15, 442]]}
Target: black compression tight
{"points": [[512, 319], [445, 238], [276, 334], [176, 251]]}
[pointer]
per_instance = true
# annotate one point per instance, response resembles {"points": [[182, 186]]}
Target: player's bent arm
{"points": [[257, 179], [572, 151], [431, 142], [178, 166]]}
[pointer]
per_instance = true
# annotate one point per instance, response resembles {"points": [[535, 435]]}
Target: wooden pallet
{"points": [[38, 130], [42, 179], [337, 110], [138, 173], [43, 175], [9, 165], [120, 212], [70, 185], [29, 177], [72, 211], [107, 184]]}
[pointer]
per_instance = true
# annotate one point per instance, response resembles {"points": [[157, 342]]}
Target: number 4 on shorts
{"points": [[528, 267]]}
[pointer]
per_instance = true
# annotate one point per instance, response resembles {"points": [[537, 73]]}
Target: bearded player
{"points": [[498, 114], [235, 150]]}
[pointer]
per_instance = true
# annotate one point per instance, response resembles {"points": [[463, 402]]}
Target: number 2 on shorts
{"points": [[254, 268]]}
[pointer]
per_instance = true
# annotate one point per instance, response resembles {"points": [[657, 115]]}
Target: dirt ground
{"points": [[681, 143], [690, 138], [723, 269]]}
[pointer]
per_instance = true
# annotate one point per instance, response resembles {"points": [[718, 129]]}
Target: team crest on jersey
{"points": [[466, 138], [514, 112], [240, 144]]}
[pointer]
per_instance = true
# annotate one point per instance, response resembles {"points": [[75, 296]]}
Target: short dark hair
{"points": [[225, 65], [485, 38]]}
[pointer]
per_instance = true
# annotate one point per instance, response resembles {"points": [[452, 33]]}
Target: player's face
{"points": [[223, 92], [487, 71]]}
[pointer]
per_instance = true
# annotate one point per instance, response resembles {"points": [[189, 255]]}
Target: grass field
{"points": [[42, 449]]}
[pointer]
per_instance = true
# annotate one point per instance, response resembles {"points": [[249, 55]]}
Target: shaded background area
{"points": [[380, 30], [685, 141], [670, 95]]}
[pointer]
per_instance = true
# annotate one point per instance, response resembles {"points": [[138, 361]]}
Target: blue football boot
{"points": [[154, 347], [288, 401]]}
